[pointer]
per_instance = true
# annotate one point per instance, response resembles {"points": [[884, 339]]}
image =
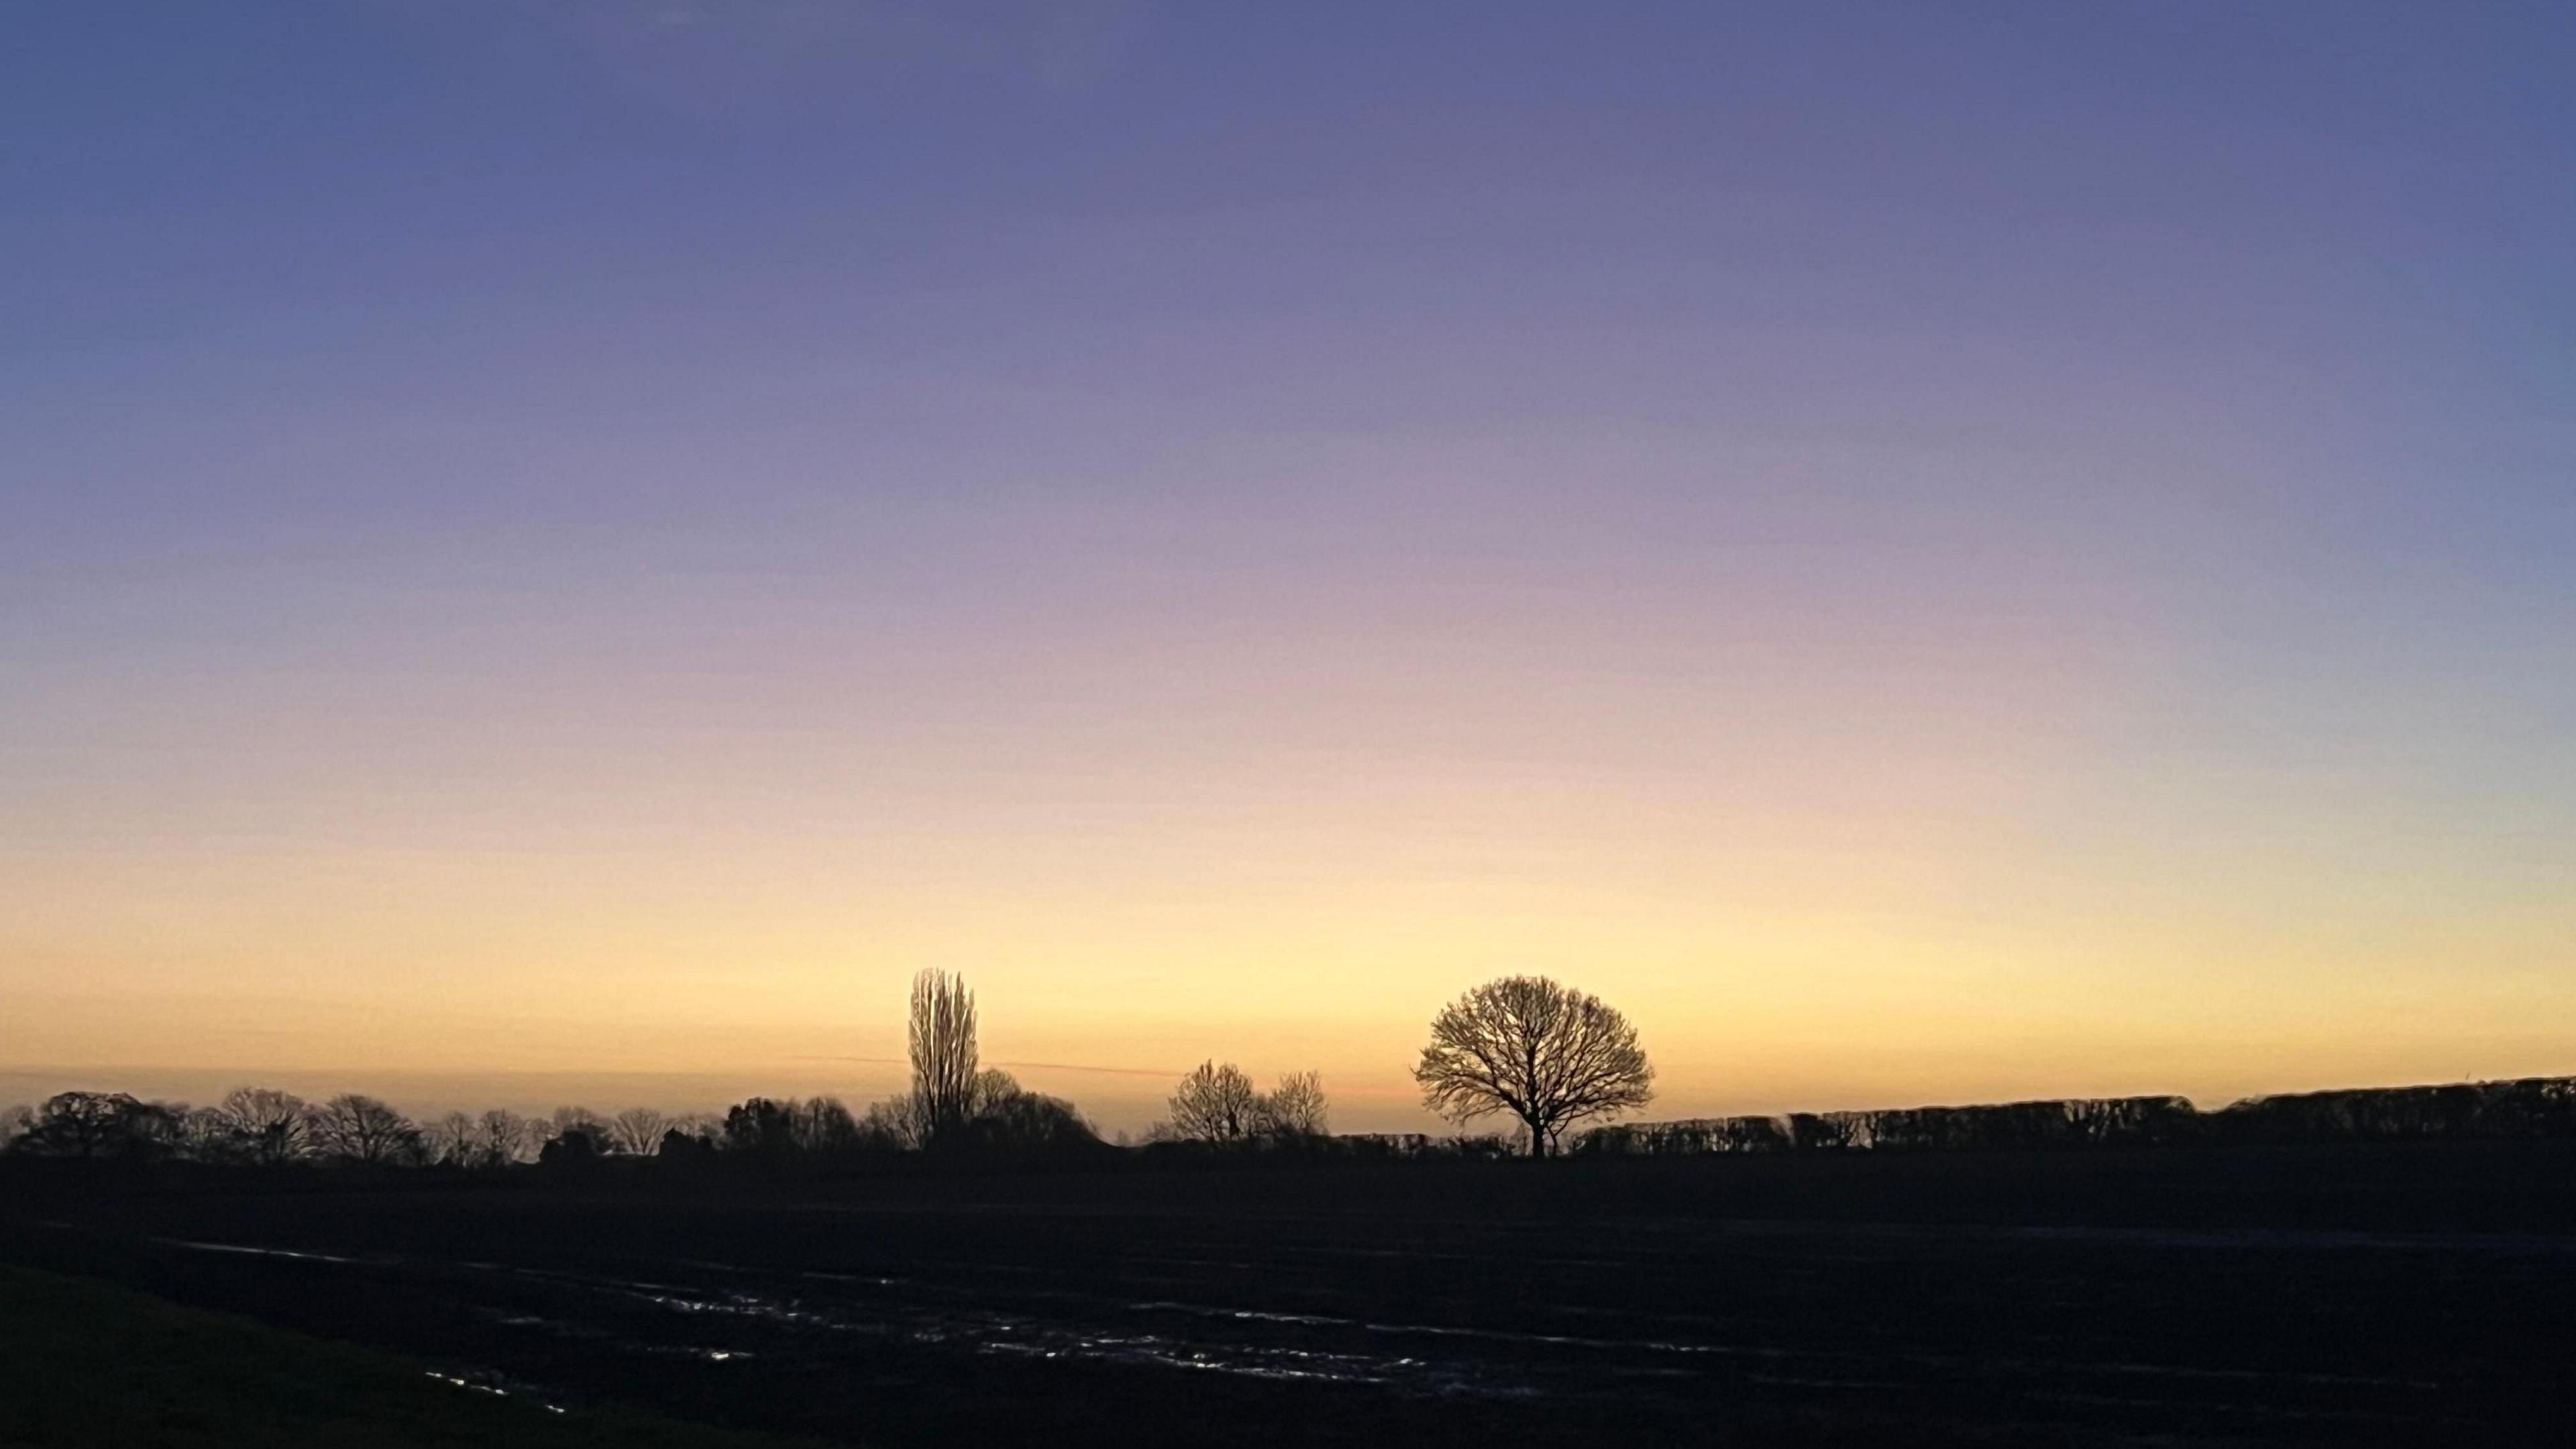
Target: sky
{"points": [[1926, 553]]}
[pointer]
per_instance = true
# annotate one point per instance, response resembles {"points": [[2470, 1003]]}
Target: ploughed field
{"points": [[2156, 1298]]}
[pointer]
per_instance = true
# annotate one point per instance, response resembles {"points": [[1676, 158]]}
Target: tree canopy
{"points": [[1547, 1054]]}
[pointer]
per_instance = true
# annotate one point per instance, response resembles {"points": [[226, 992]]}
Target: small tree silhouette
{"points": [[265, 1126], [509, 1137], [1218, 1103], [1215, 1104], [1296, 1108], [101, 1124], [454, 1140], [362, 1129], [638, 1131]]}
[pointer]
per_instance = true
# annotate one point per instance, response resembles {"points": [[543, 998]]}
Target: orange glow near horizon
{"points": [[1849, 916]]}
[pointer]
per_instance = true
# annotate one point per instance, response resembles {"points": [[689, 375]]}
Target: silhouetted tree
{"points": [[15, 1123], [203, 1137], [942, 1043], [265, 1126], [584, 1140], [361, 1129], [455, 1140], [1549, 1055], [686, 1147], [822, 1126], [507, 1137], [1215, 1104], [1295, 1108], [699, 1125], [1030, 1122], [568, 1119], [94, 1125], [1002, 1116], [639, 1130], [761, 1127], [894, 1123], [1009, 1118], [992, 1087]]}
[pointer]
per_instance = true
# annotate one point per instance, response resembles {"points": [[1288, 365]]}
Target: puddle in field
{"points": [[869, 1306], [284, 1253], [484, 1381], [726, 1313]]}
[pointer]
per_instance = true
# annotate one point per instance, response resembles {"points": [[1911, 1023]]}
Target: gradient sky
{"points": [[1925, 552]]}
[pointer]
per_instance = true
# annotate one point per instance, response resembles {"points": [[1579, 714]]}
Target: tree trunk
{"points": [[1538, 1139]]}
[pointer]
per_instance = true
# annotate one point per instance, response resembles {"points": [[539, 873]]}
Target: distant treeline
{"points": [[2528, 1107], [260, 1127], [955, 1108], [255, 1127]]}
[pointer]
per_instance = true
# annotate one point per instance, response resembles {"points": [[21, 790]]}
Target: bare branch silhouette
{"points": [[1215, 1104], [1295, 1108], [361, 1129], [942, 1042], [1545, 1053], [266, 1126], [638, 1131]]}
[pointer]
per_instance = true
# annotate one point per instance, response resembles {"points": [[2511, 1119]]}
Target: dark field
{"points": [[2345, 1295], [88, 1363]]}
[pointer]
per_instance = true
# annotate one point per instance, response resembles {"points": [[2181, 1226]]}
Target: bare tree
{"points": [[204, 1136], [993, 1088], [266, 1126], [507, 1137], [823, 1124], [690, 1136], [569, 1121], [1023, 1121], [1215, 1104], [1295, 1108], [637, 1131], [698, 1124], [761, 1127], [1549, 1055], [942, 1040], [455, 1140], [102, 1124], [894, 1123], [362, 1129]]}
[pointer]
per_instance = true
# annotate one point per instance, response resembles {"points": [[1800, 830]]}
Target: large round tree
{"points": [[1549, 1055]]}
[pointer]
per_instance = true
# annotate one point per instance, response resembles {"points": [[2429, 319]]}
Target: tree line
{"points": [[1548, 1058], [2528, 1107], [1524, 1046], [954, 1105]]}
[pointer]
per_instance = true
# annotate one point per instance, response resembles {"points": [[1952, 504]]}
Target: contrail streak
{"points": [[1020, 1066]]}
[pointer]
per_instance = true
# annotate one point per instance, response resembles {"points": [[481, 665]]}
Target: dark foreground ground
{"points": [[2355, 1295], [84, 1362]]}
